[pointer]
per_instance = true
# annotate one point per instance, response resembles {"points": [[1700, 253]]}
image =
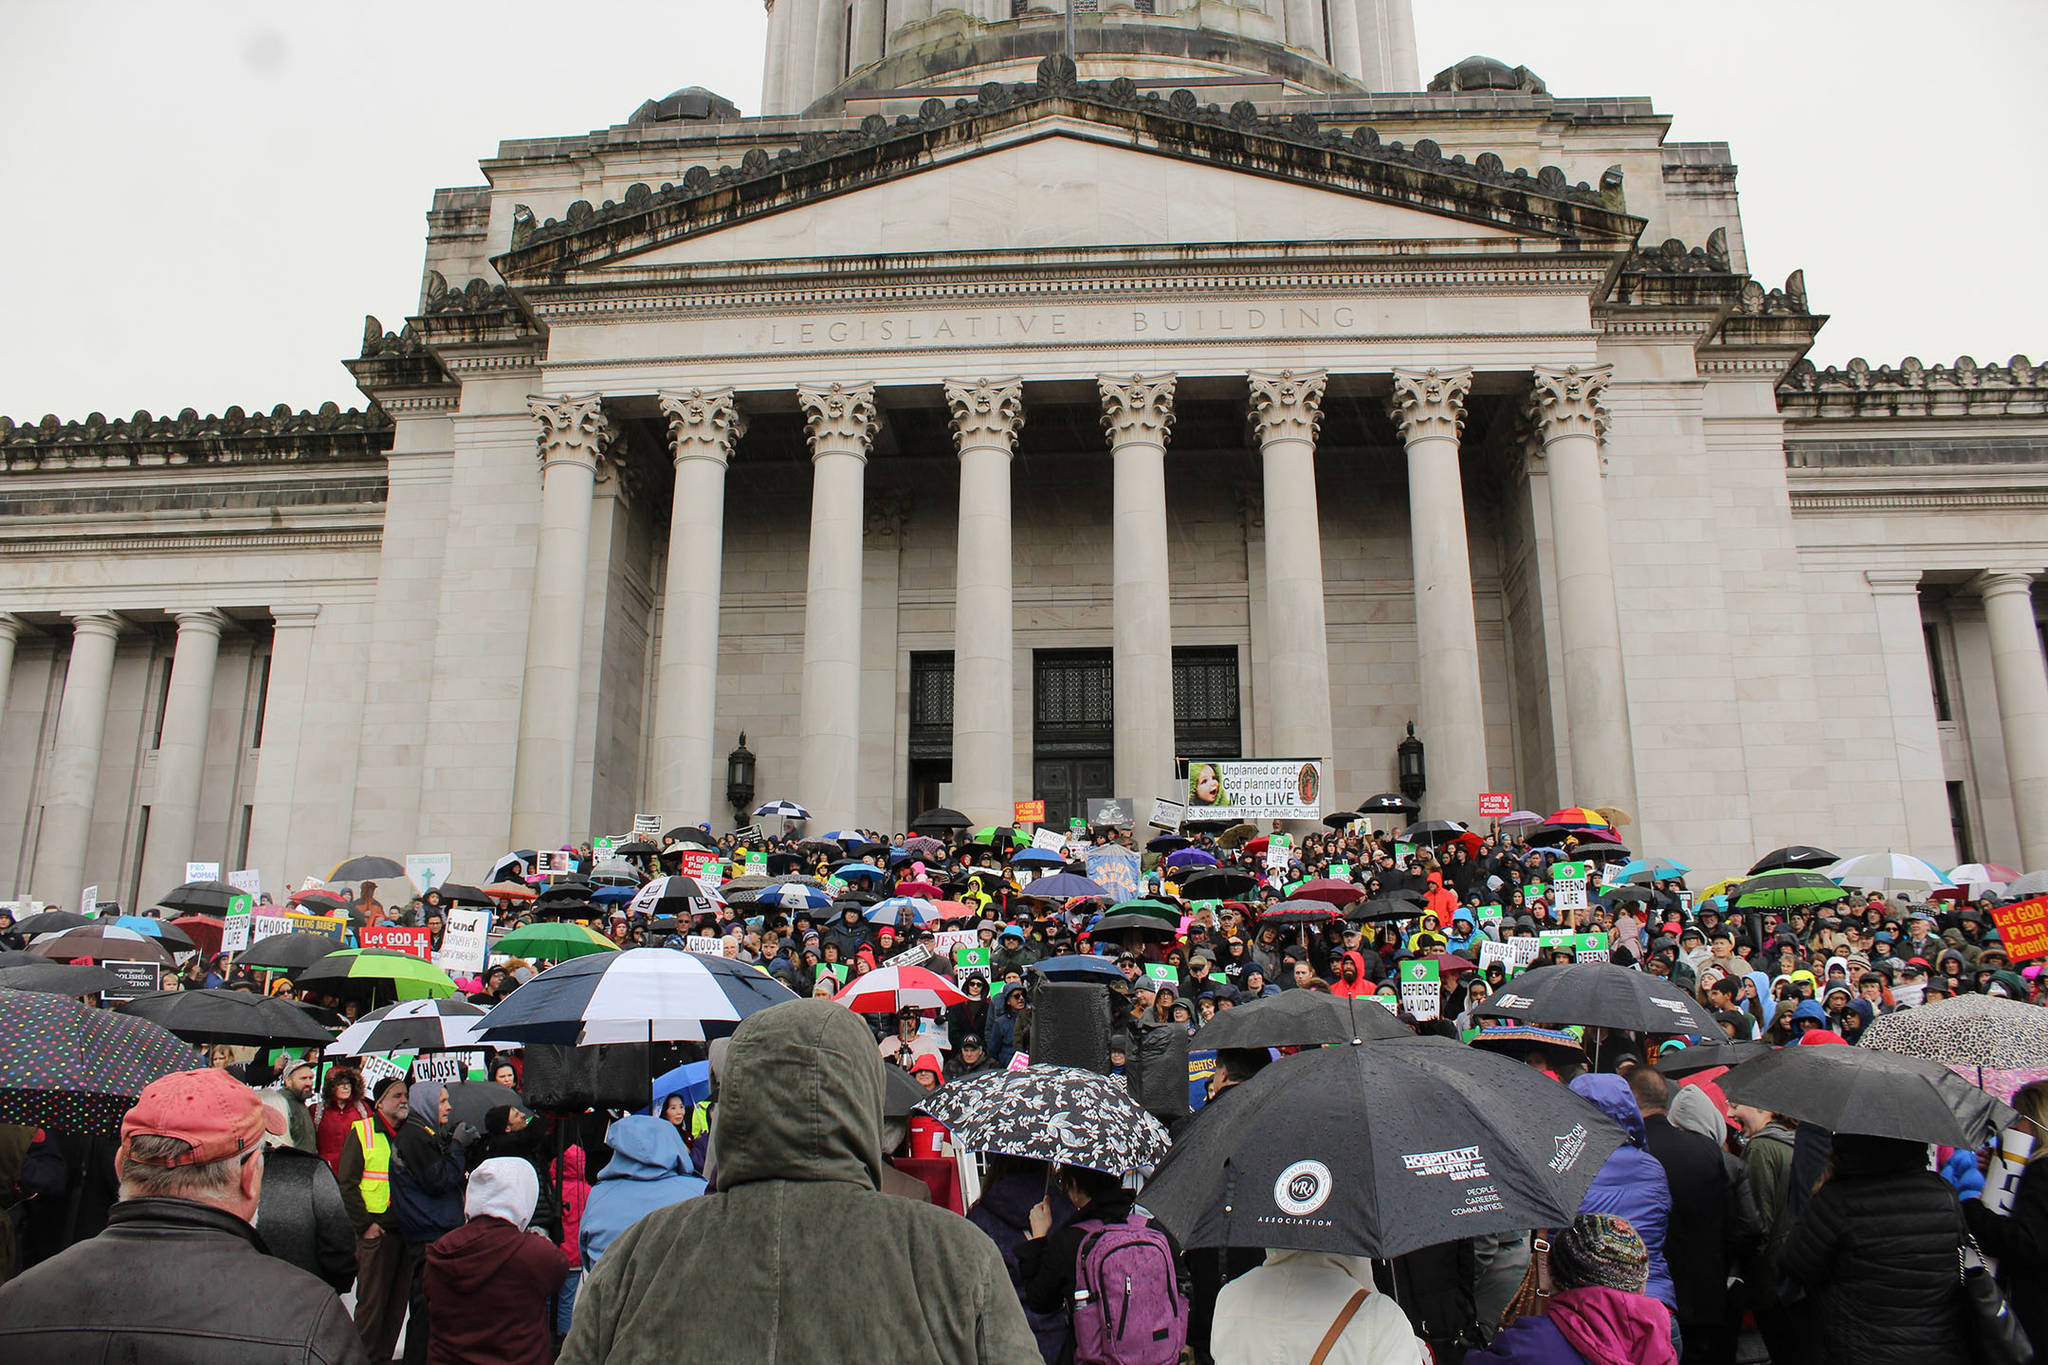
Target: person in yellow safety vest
{"points": [[383, 1260]]}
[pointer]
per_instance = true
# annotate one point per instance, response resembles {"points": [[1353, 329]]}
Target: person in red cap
{"points": [[180, 1275]]}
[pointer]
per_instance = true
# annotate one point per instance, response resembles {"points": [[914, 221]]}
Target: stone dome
{"points": [[690, 102], [1487, 73]]}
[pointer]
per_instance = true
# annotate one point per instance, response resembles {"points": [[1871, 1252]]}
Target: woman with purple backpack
{"points": [[1115, 1273]]}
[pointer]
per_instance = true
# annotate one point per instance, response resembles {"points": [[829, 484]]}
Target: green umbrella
{"points": [[555, 941], [376, 974], [1784, 889], [1157, 909]]}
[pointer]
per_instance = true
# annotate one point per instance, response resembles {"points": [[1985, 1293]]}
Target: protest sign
{"points": [[1115, 812], [1522, 951], [1491, 952], [89, 902], [1116, 870], [202, 872], [1049, 839], [914, 956], [1493, 805], [946, 940], [1256, 789], [446, 1067], [1276, 856], [248, 881], [1201, 1070], [1568, 885], [1019, 1062], [709, 944], [1340, 871], [273, 921], [1163, 971], [695, 863], [429, 870], [972, 962], [1391, 1003], [646, 826], [555, 862], [757, 864], [1167, 814], [1029, 813], [2023, 928], [1558, 940], [1591, 948], [1403, 852], [137, 979], [1490, 914], [1076, 825], [417, 943], [376, 1068], [1421, 987], [840, 970], [235, 925], [601, 845], [465, 941]]}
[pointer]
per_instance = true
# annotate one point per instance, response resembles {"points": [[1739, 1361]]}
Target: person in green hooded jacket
{"points": [[796, 1255]]}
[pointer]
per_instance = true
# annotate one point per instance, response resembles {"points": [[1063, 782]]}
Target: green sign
{"points": [[1559, 940], [1568, 872], [1077, 825], [1402, 851], [1421, 970], [602, 845], [1489, 912], [1163, 971], [1593, 946], [835, 887], [1341, 871], [1280, 841], [757, 864], [970, 957]]}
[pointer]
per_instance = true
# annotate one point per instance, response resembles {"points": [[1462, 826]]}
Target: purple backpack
{"points": [[1135, 1313]]}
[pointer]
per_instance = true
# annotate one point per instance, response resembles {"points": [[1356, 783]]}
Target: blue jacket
{"points": [[1002, 1027], [650, 1169], [1631, 1184]]}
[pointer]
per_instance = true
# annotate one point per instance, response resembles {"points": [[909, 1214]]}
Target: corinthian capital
{"points": [[841, 420], [1429, 403], [1565, 401], [986, 413], [1137, 409], [703, 424], [573, 430], [1286, 406]]}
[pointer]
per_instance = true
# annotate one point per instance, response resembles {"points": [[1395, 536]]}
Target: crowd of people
{"points": [[773, 1216]]}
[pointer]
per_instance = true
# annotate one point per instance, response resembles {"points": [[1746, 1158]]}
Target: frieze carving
{"points": [[478, 296], [1790, 301], [2018, 387], [1286, 406], [283, 434], [986, 413], [1564, 400], [573, 430], [1430, 404], [1137, 409], [703, 424], [839, 419], [885, 513]]}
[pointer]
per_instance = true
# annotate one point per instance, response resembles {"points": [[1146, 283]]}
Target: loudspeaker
{"points": [[1070, 1025], [569, 1080], [1158, 1070]]}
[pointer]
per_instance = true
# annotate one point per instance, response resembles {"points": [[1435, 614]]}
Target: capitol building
{"points": [[1021, 403]]}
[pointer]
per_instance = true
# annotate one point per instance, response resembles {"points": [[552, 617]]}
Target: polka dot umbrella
{"points": [[75, 1069]]}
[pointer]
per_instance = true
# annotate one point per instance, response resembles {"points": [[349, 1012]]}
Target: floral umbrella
{"points": [[1052, 1113]]}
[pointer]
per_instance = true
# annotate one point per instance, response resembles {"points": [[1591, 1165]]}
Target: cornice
{"points": [[2018, 388], [1822, 502], [232, 438], [177, 543]]}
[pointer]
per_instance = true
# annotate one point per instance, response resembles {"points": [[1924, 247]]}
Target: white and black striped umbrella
{"points": [[680, 896], [637, 996], [788, 810], [446, 1024]]}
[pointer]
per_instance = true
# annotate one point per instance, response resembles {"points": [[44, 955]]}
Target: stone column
{"points": [[828, 51], [1902, 651], [73, 776], [10, 632], [703, 426], [277, 757], [1429, 411], [2022, 682], [1345, 53], [1304, 20], [841, 420], [778, 41], [181, 753], [573, 435], [870, 31], [1138, 413], [1570, 423], [1286, 411], [986, 419]]}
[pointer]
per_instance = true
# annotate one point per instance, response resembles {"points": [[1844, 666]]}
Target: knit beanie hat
{"points": [[1600, 1251]]}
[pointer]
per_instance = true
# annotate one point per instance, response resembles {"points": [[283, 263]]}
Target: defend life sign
{"points": [[2023, 928], [1261, 789]]}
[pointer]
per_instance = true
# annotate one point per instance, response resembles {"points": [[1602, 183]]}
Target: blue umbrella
{"points": [[794, 896], [1037, 857], [1190, 857], [844, 836], [897, 909], [691, 1080], [1079, 967], [1065, 886], [613, 895], [788, 810], [853, 872], [1651, 870]]}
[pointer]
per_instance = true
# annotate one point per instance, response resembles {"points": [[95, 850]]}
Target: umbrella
{"points": [[370, 973], [1298, 912], [1158, 910], [635, 848], [517, 863], [692, 1080], [889, 989], [49, 922], [1165, 843], [899, 910], [14, 957], [203, 930], [1636, 894], [201, 897], [1381, 1149], [1218, 883], [447, 1024], [556, 942], [1235, 836], [1045, 857], [1058, 1114], [318, 900], [1578, 817], [1793, 855], [796, 896], [1519, 1040], [224, 1016], [1339, 819], [2030, 884], [1613, 815], [855, 872], [571, 888], [368, 868], [690, 834], [923, 846], [787, 810], [1331, 891], [288, 952], [1387, 803], [682, 897], [1432, 832], [607, 871], [58, 978], [101, 943], [1078, 967], [1191, 857], [1652, 870], [1861, 1090], [1706, 1056], [508, 891], [1979, 873], [1887, 871], [1603, 995], [939, 817], [1382, 909], [918, 886], [172, 937], [74, 1068], [1784, 889], [471, 1102], [900, 1093], [1134, 921], [1064, 886], [1299, 1019], [1963, 1031], [639, 995]]}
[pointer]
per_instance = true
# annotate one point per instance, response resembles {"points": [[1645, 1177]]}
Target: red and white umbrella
{"points": [[889, 989]]}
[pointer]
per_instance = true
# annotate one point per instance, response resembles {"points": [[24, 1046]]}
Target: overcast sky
{"points": [[204, 198]]}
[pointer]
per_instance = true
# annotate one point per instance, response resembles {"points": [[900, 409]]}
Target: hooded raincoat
{"points": [[488, 1281], [650, 1169], [798, 1256], [1631, 1184]]}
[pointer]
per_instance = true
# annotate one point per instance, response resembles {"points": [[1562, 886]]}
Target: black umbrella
{"points": [[1134, 920], [1637, 894], [16, 958], [49, 922], [1058, 1114], [288, 953], [634, 848], [223, 1016], [75, 1068], [438, 1025], [1784, 890], [459, 894], [1387, 803], [471, 1102], [940, 817], [1299, 912], [1793, 855], [1299, 1019], [1881, 1094], [1381, 909], [368, 868], [201, 898], [1432, 832], [1167, 843], [1380, 1149], [568, 889], [1339, 819], [900, 1093], [58, 978], [691, 835], [1602, 995], [1706, 1056], [1217, 883]]}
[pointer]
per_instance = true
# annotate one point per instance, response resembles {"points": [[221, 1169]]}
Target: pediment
{"points": [[1058, 163]]}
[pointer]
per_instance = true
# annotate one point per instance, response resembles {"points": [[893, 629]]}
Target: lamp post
{"points": [[739, 779], [1414, 781]]}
